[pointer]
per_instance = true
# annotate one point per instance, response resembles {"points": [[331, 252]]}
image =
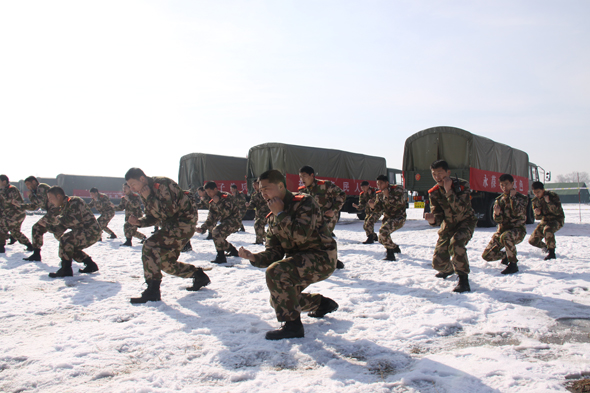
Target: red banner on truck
{"points": [[489, 181]]}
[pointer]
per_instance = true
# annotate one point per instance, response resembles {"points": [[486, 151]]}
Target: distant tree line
{"points": [[573, 178]]}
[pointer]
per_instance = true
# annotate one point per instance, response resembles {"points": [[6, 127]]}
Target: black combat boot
{"points": [[127, 243], [232, 252], [290, 329], [258, 242], [444, 275], [327, 306], [242, 229], [30, 247], [504, 261], [339, 264], [209, 236], [369, 240], [200, 280], [551, 254], [511, 268], [220, 258], [187, 247], [90, 267], [64, 271], [143, 240], [12, 240], [151, 294], [35, 256], [389, 255], [155, 229], [113, 236], [463, 285], [2, 248], [396, 250]]}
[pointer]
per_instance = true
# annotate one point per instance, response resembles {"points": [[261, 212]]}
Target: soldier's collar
{"points": [[288, 198]]}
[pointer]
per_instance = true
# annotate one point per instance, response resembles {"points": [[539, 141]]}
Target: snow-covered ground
{"points": [[398, 329]]}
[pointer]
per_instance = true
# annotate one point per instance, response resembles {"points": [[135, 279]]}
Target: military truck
{"points": [[477, 159], [347, 170]]}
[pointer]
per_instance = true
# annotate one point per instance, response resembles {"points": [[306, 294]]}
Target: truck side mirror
{"points": [[548, 176]]}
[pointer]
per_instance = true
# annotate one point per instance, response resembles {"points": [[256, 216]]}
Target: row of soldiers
{"points": [[300, 246]]}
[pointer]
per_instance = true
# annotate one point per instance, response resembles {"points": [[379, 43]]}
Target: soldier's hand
{"points": [[386, 192], [276, 205], [538, 211], [371, 203], [199, 230], [447, 183], [355, 205], [430, 218], [512, 193], [216, 199], [329, 213], [145, 191], [133, 221], [243, 253], [247, 204], [497, 209], [547, 198]]}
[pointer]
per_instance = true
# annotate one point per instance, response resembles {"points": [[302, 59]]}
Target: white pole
{"points": [[579, 198]]}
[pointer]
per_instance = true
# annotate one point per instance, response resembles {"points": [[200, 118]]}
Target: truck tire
{"points": [[530, 215], [487, 219], [362, 216]]}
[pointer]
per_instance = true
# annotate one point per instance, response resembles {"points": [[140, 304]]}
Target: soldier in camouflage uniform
{"points": [[167, 203], [299, 251], [75, 215], [131, 203], [371, 217], [328, 195], [222, 209], [259, 203], [240, 200], [391, 202], [38, 198], [13, 214], [105, 208], [202, 200], [547, 208], [451, 210], [510, 214]]}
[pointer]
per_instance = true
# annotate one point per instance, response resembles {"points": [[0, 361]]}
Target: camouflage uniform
{"points": [[227, 213], [174, 209], [240, 200], [394, 213], [328, 196], [511, 228], [262, 210], [455, 216], [13, 215], [300, 236], [39, 200], [201, 204], [552, 220], [132, 206], [105, 207], [85, 231], [371, 217]]}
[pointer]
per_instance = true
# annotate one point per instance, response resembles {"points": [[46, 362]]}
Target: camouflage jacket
{"points": [[327, 194], [299, 228], [11, 201], [201, 203], [103, 205], [364, 198], [76, 214], [224, 209], [451, 208], [240, 201], [167, 204], [550, 211], [39, 199], [394, 206], [131, 204], [513, 214], [259, 203]]}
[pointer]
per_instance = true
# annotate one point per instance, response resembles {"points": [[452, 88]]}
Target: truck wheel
{"points": [[488, 213], [530, 215], [362, 216]]}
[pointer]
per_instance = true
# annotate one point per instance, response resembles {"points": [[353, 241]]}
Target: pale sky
{"points": [[96, 87]]}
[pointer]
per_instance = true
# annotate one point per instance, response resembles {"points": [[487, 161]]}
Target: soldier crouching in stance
{"points": [[85, 231], [299, 251], [167, 203]]}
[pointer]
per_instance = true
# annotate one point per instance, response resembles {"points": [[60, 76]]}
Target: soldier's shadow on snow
{"points": [[89, 287]]}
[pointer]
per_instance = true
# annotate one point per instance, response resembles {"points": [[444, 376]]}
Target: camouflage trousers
{"points": [[286, 280], [259, 225], [41, 227], [222, 231], [388, 226], [12, 225], [73, 242], [131, 230], [450, 252], [331, 221], [545, 230], [369, 225], [104, 220], [161, 251], [508, 240]]}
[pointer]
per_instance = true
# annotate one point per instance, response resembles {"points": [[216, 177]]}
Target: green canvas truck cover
{"points": [[198, 168]]}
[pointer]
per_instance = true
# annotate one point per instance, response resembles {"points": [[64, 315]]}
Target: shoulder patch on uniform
{"points": [[302, 187], [224, 195], [298, 197], [157, 186], [269, 214], [362, 192], [321, 181], [433, 189], [379, 192]]}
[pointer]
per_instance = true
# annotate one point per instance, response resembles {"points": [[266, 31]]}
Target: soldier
{"points": [[299, 251], [74, 214], [510, 214], [451, 210], [391, 202], [105, 208], [203, 204], [167, 203], [371, 217], [259, 203], [240, 200], [222, 209], [38, 198], [13, 214], [547, 208], [131, 203], [328, 195]]}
